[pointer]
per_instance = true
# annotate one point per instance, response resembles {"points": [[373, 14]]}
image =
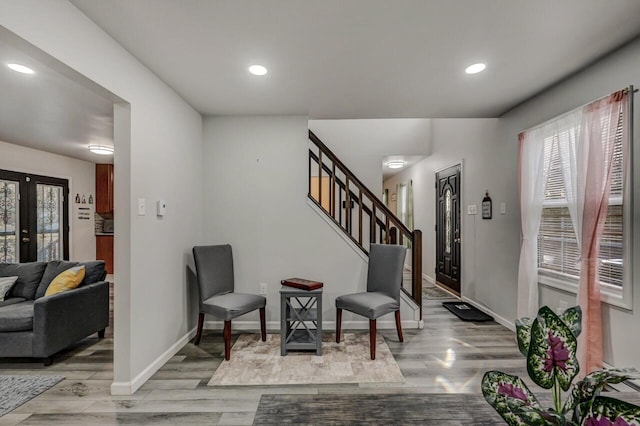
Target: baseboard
{"points": [[274, 326], [429, 279], [500, 320], [129, 388]]}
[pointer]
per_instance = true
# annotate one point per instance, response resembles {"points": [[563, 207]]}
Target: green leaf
{"points": [[552, 352], [610, 411], [585, 390], [523, 332], [512, 399], [572, 317]]}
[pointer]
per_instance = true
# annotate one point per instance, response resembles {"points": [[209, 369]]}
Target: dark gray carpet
{"points": [[466, 312], [16, 390], [385, 409]]}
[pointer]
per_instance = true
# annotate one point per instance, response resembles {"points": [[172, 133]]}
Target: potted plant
{"points": [[549, 343]]}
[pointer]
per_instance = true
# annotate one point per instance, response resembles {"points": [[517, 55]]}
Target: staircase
{"points": [[360, 214]]}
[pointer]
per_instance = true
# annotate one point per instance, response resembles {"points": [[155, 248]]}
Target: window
{"points": [[558, 251]]}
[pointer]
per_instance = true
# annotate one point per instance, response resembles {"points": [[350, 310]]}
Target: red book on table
{"points": [[302, 283]]}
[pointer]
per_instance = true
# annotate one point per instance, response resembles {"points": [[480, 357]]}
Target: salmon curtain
{"points": [[597, 138]]}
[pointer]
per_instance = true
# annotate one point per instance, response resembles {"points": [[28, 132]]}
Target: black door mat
{"points": [[466, 312]]}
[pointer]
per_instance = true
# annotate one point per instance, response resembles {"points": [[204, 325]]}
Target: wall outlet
{"points": [[503, 208], [472, 209], [264, 288], [562, 306]]}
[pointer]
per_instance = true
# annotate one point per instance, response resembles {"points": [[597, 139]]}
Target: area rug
{"points": [[382, 409], [254, 362], [16, 390], [433, 293]]}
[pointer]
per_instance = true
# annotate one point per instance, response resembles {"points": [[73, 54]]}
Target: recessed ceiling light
{"points": [[257, 70], [395, 164], [475, 68], [21, 69], [101, 149]]}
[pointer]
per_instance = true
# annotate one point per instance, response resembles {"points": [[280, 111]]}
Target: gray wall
{"points": [[613, 72], [157, 156]]}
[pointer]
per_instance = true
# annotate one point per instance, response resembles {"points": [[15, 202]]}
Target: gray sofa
{"points": [[35, 326]]}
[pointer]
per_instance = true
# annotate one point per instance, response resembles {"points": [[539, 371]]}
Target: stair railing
{"points": [[360, 214]]}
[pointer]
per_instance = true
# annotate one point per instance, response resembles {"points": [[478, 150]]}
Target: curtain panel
{"points": [[585, 140]]}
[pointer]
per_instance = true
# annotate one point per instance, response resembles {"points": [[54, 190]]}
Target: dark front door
{"points": [[34, 217], [448, 228]]}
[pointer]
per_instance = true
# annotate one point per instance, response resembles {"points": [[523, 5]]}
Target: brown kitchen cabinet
{"points": [[104, 188], [104, 251]]}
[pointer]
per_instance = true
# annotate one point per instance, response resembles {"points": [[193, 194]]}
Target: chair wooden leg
{"points": [[338, 324], [199, 330], [372, 338], [227, 340], [263, 325], [399, 326]]}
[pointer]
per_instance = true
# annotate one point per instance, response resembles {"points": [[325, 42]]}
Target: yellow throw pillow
{"points": [[67, 280]]}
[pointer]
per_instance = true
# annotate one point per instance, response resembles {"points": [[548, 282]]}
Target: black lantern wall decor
{"points": [[486, 206]]}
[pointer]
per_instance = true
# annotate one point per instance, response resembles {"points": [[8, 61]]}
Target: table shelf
{"points": [[300, 320]]}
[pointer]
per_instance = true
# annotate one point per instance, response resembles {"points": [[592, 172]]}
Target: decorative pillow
{"points": [[5, 286], [67, 280]]}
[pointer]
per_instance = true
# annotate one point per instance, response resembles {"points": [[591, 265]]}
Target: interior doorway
{"points": [[448, 240]]}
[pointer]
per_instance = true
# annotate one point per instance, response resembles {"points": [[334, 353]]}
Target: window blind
{"points": [[558, 251]]}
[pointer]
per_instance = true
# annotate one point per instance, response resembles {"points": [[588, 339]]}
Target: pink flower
{"points": [[603, 421], [507, 389], [557, 355]]}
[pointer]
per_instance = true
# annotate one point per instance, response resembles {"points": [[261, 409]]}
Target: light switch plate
{"points": [[472, 209], [142, 207]]}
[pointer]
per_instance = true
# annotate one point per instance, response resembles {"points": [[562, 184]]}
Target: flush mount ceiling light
{"points": [[101, 149], [21, 69], [475, 68], [257, 69], [396, 164]]}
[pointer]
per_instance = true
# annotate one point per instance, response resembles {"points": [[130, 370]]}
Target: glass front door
{"points": [[34, 217]]}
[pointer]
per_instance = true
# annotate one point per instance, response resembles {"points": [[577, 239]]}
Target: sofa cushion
{"points": [[17, 317], [94, 271], [5, 286], [29, 277], [66, 280], [11, 301], [54, 268]]}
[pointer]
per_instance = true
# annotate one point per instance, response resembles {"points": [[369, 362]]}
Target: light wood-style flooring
{"points": [[447, 356]]}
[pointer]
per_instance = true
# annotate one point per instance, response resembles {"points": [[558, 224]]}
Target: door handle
{"points": [[457, 240], [26, 239]]}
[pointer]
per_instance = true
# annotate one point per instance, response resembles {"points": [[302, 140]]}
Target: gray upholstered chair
{"points": [[214, 268], [384, 279]]}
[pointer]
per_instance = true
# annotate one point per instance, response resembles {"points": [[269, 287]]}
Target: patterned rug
{"points": [[433, 293], [254, 362], [16, 390]]}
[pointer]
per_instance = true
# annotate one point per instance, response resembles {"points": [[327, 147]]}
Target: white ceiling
{"points": [[326, 59], [54, 110], [364, 58]]}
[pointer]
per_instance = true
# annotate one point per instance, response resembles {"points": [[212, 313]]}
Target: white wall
{"points": [[256, 200], [362, 144], [613, 72], [81, 176], [489, 247], [157, 156]]}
